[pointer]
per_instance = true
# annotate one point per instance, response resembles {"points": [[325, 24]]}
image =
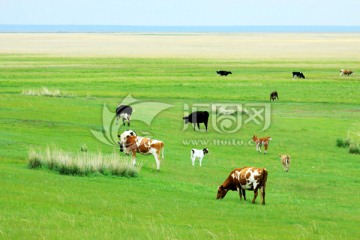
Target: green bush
{"points": [[354, 149], [343, 142]]}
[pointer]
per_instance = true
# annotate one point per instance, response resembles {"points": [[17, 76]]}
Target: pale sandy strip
{"points": [[221, 46]]}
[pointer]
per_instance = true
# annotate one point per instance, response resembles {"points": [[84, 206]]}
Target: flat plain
{"points": [[317, 199]]}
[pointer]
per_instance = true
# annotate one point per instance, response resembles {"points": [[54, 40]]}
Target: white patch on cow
{"points": [[125, 134], [138, 141]]}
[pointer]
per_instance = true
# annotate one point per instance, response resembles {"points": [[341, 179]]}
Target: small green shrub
{"points": [[84, 148], [354, 149], [343, 142]]}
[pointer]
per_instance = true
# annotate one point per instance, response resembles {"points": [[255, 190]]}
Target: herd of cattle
{"points": [[240, 179]]}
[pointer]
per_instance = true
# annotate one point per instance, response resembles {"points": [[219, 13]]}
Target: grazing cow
{"points": [[298, 74], [198, 117], [131, 143], [198, 153], [124, 112], [223, 73], [346, 72], [246, 178], [274, 95], [285, 160], [261, 141]]}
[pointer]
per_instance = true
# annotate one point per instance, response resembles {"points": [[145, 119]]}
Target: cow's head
{"points": [[126, 139], [206, 151], [186, 119], [254, 138], [221, 192]]}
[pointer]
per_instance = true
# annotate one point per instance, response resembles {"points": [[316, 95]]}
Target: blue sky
{"points": [[180, 13]]}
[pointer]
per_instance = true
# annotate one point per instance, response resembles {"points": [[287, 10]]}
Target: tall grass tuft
{"points": [[82, 163], [44, 92]]}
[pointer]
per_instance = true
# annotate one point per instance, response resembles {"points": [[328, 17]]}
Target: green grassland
{"points": [[317, 199]]}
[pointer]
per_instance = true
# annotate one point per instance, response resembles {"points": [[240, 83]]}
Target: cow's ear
{"points": [[221, 187], [118, 136]]}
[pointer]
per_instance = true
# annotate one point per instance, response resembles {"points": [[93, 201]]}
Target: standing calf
{"points": [[285, 160], [261, 141], [198, 153], [246, 178], [345, 72], [274, 95]]}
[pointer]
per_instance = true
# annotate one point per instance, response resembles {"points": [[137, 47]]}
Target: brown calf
{"points": [[261, 141], [345, 72], [131, 143], [246, 178]]}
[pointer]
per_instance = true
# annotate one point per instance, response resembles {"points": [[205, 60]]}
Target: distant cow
{"points": [[198, 117], [261, 141], [223, 73], [124, 112], [274, 95], [285, 161], [198, 153], [131, 143], [246, 178], [346, 72], [298, 74]]}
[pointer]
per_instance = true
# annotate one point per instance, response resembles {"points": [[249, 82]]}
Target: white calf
{"points": [[198, 153]]}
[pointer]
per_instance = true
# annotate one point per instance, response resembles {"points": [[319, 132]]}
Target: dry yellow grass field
{"points": [[191, 45]]}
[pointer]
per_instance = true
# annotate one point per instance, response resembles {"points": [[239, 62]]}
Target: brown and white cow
{"points": [[261, 141], [285, 161], [131, 143], [246, 178], [345, 72]]}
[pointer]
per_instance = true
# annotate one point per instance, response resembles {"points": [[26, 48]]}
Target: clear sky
{"points": [[180, 13]]}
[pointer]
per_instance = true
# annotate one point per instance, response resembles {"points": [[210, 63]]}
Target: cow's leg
{"points": [[262, 192], [198, 124], [117, 119], [243, 192], [194, 126], [156, 155], [134, 157], [255, 195], [193, 160], [200, 160], [266, 147], [239, 189], [206, 125], [123, 121]]}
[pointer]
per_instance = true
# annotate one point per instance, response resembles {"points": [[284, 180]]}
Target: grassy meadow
{"points": [[317, 199]]}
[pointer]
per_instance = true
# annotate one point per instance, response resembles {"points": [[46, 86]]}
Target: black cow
{"points": [[124, 112], [298, 74], [274, 96], [198, 117], [223, 73]]}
